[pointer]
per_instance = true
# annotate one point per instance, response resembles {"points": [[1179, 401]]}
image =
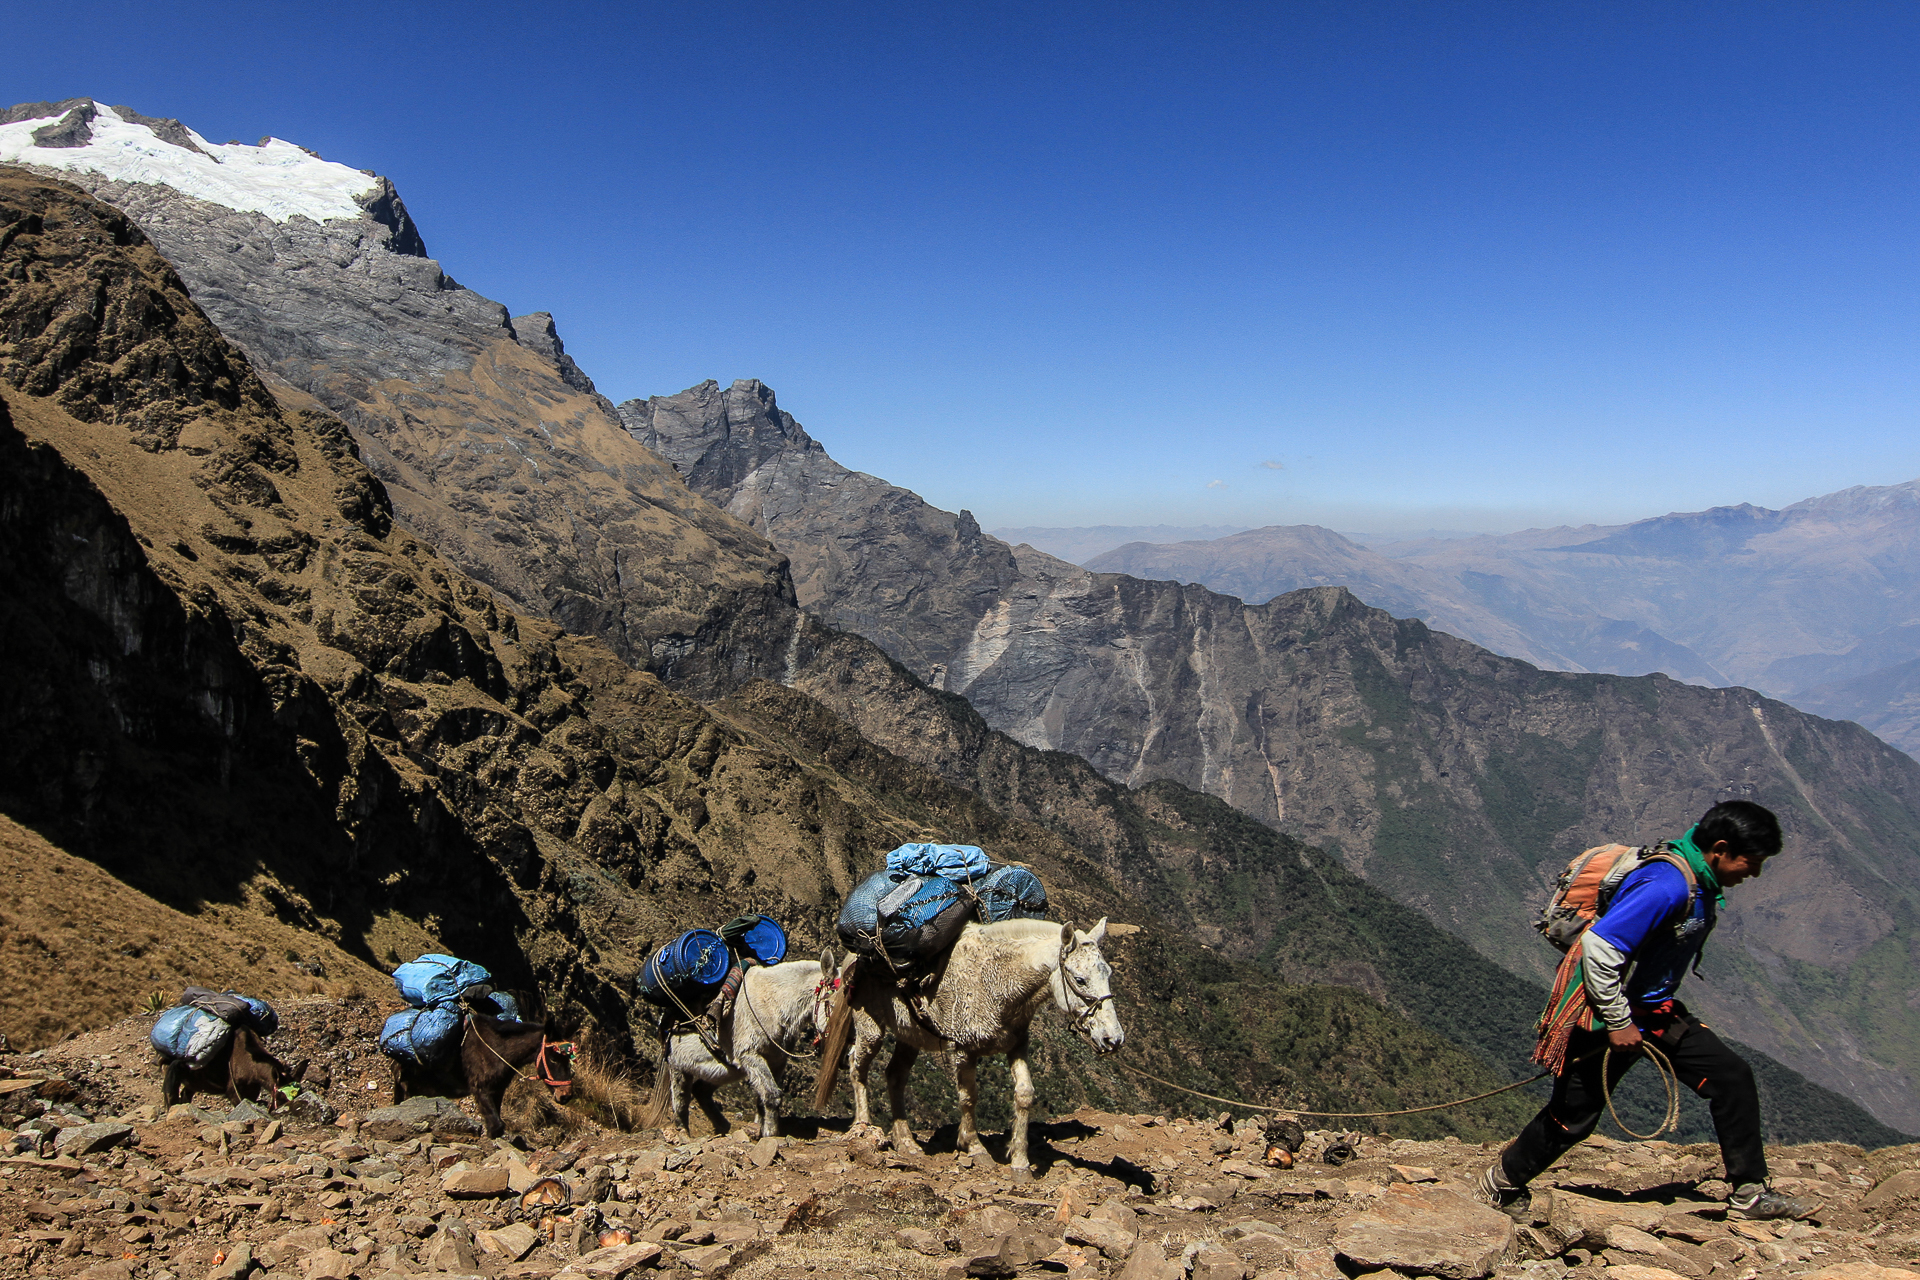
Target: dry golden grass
{"points": [[81, 949], [609, 1096]]}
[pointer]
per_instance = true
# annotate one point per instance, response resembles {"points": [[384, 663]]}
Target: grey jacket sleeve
{"points": [[1606, 969]]}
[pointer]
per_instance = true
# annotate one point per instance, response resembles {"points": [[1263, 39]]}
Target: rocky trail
{"points": [[97, 1182]]}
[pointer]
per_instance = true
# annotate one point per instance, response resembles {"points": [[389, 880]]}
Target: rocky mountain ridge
{"points": [[1811, 603], [490, 441]]}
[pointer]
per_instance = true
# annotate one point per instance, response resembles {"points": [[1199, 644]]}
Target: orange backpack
{"points": [[1588, 884]]}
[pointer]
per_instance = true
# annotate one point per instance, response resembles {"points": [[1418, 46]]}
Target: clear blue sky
{"points": [[1441, 263]]}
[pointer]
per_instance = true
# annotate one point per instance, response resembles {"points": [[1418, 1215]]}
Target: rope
{"points": [[1669, 1081], [1334, 1115], [1668, 1078]]}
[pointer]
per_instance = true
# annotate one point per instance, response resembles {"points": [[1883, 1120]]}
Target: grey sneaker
{"points": [[1491, 1188], [1752, 1200]]}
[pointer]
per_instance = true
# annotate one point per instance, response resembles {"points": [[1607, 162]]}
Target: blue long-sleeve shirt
{"points": [[1638, 951]]}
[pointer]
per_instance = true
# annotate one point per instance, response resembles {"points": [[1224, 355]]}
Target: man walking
{"points": [[1632, 960]]}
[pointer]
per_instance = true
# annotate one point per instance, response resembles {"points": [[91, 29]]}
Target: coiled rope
{"points": [[1669, 1081]]}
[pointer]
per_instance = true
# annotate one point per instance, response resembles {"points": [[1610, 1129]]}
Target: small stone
{"points": [[1631, 1271], [707, 1258], [920, 1241], [85, 1139], [1413, 1173], [515, 1241], [1211, 1262], [1900, 1186], [327, 1264], [1111, 1239], [452, 1249], [764, 1152], [1074, 1201], [1147, 1262], [473, 1183], [615, 1262], [1438, 1233], [238, 1262]]}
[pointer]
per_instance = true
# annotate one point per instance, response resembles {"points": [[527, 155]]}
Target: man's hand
{"points": [[1627, 1037]]}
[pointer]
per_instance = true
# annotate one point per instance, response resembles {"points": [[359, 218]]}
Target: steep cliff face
{"points": [[491, 442], [232, 682], [1455, 779]]}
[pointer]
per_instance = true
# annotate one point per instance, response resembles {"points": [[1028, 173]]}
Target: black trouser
{"points": [[1701, 1060]]}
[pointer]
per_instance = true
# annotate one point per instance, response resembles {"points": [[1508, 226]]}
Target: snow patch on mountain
{"points": [[276, 179]]}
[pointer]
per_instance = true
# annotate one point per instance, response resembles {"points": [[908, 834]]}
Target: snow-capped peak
{"points": [[276, 179]]}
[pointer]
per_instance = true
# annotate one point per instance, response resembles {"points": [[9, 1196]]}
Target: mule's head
{"points": [[1086, 985]]}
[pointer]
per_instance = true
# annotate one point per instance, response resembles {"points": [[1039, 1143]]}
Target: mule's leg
{"points": [[678, 1098], [399, 1081], [899, 1067], [765, 1084], [968, 1083], [1022, 1108], [486, 1100], [703, 1094], [866, 1045], [170, 1082]]}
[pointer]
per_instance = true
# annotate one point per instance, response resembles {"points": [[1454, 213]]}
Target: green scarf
{"points": [[1698, 861]]}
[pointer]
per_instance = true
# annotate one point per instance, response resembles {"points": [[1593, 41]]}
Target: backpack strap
{"points": [[1663, 853]]}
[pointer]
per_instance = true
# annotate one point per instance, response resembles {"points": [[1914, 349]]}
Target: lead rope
{"points": [[1667, 1076]]}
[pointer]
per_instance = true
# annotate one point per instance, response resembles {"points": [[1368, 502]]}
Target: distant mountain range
{"points": [[1079, 545], [1817, 603], [548, 674]]}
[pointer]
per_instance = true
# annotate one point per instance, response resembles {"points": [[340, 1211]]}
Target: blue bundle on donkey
{"points": [[911, 912], [215, 1042], [460, 1037]]}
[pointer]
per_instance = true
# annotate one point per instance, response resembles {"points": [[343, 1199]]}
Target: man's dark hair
{"points": [[1747, 828]]}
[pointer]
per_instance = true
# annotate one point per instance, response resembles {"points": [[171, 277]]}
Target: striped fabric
{"points": [[1567, 1011]]}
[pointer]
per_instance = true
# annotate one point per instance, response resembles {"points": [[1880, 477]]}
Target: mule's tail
{"points": [[833, 1046], [659, 1108]]}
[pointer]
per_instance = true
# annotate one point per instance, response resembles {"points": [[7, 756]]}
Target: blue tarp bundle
{"points": [[909, 917], [1012, 893], [962, 862], [434, 980], [424, 1035], [687, 971], [186, 1032]]}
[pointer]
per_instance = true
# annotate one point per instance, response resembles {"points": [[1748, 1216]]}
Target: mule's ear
{"points": [[826, 961], [1069, 937], [1099, 934]]}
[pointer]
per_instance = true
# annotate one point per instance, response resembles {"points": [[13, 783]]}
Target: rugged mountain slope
{"points": [[1456, 779], [1260, 564], [235, 686], [491, 442]]}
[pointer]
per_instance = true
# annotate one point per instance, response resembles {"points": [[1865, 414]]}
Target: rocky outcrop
{"points": [[491, 442], [1458, 780]]}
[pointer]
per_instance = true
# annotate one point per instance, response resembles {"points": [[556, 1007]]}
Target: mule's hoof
{"points": [[1019, 1173]]}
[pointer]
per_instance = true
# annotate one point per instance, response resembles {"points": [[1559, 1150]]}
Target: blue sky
{"points": [[1379, 266]]}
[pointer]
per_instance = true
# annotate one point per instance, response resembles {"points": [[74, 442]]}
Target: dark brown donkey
{"points": [[242, 1068], [493, 1051]]}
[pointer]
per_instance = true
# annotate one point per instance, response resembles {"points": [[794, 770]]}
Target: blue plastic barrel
{"points": [[766, 940], [691, 967]]}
